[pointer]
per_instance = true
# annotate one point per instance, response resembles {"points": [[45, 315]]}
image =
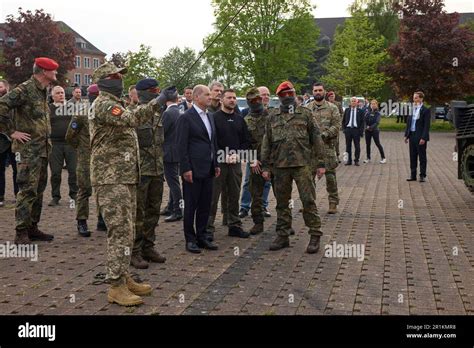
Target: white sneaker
{"points": [[367, 161], [383, 161], [2, 203]]}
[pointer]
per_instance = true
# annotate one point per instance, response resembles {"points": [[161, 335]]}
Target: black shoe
{"points": [[422, 179], [348, 163], [173, 217], [206, 244], [266, 213], [243, 213], [292, 232], [54, 202], [193, 248], [210, 236], [82, 228], [356, 163], [36, 235], [166, 212], [101, 226], [411, 179], [235, 231]]}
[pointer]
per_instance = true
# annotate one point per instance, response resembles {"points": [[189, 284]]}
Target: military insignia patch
{"points": [[116, 111], [74, 125]]}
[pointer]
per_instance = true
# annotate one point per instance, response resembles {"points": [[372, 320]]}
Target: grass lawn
{"points": [[390, 124]]}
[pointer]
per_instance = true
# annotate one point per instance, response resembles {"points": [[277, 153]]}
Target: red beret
{"points": [[93, 89], [46, 63], [284, 86]]}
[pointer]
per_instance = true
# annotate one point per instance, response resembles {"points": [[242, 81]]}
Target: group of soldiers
{"points": [[120, 156]]}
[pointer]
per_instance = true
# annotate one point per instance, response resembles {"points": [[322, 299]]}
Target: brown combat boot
{"points": [[332, 208], [280, 243], [139, 289], [138, 262], [313, 245], [256, 229], [35, 234], [121, 295], [152, 255], [22, 236]]}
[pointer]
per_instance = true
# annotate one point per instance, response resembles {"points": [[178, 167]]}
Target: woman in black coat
{"points": [[372, 120]]}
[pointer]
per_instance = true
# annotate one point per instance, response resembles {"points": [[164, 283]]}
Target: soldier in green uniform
{"points": [[293, 147], [331, 97], [327, 118], [30, 132], [115, 175], [150, 188], [256, 121]]}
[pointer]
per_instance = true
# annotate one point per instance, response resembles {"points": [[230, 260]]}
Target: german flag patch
{"points": [[116, 111]]}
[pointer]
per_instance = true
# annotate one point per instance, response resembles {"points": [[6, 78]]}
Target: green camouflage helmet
{"points": [[252, 93], [105, 70]]}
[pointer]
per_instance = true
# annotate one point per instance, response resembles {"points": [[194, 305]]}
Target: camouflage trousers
{"points": [[149, 196], [32, 177], [331, 186], [118, 205], [61, 153], [83, 174], [256, 186], [283, 185]]}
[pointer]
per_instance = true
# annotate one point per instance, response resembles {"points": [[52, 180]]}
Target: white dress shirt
{"points": [[204, 119], [353, 117]]}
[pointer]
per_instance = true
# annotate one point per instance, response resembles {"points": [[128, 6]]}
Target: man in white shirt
{"points": [[353, 128]]}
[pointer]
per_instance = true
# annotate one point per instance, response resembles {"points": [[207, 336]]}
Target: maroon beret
{"points": [[93, 90], [46, 63]]}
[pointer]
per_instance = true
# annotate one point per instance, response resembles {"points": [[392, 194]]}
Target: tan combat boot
{"points": [[121, 295], [332, 208], [256, 229], [139, 289]]}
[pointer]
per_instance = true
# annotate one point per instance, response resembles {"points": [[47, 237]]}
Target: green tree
{"points": [[141, 64], [268, 41], [175, 64], [355, 58]]}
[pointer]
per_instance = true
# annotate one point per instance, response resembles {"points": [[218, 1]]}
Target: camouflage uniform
{"points": [[150, 189], [293, 146], [341, 115], [29, 100], [328, 120], [78, 136], [115, 174]]}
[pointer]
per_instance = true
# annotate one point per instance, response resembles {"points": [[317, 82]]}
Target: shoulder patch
{"points": [[74, 125], [116, 111]]}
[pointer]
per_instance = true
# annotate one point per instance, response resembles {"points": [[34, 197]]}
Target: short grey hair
{"points": [[37, 69], [216, 83]]}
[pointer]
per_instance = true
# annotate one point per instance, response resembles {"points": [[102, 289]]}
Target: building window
{"points": [[95, 63], [87, 79], [78, 61], [87, 63], [77, 79]]}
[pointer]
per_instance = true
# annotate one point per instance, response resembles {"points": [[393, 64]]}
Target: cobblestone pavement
{"points": [[417, 239]]}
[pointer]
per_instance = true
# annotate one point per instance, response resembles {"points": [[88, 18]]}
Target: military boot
{"points": [[35, 234], [101, 224], [82, 228], [22, 236], [280, 242], [139, 289], [152, 255], [121, 295], [138, 262], [313, 245], [332, 208], [256, 229]]}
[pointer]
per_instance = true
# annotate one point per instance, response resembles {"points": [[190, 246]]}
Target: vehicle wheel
{"points": [[467, 167]]}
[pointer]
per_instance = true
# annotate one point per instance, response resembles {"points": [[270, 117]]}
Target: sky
{"points": [[120, 26]]}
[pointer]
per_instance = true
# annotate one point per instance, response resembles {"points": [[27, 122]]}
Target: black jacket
{"points": [[372, 120], [196, 151], [170, 146], [359, 118], [422, 125]]}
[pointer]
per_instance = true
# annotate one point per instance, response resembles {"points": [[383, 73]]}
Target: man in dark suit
{"points": [[353, 128], [417, 134], [188, 99], [197, 148], [171, 160]]}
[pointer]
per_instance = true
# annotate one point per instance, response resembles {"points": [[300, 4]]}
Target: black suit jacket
{"points": [[359, 118], [183, 105], [170, 148], [196, 151], [422, 125]]}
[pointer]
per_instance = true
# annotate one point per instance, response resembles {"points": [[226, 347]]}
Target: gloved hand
{"points": [[324, 136], [167, 94]]}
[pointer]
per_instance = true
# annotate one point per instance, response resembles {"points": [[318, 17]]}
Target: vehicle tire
{"points": [[467, 167]]}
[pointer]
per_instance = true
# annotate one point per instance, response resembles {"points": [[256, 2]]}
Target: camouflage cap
{"points": [[252, 93], [105, 70]]}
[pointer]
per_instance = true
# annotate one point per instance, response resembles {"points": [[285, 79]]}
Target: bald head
{"points": [[202, 96]]}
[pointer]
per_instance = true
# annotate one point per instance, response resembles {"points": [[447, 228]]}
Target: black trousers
{"points": [[3, 162], [197, 205], [417, 151], [352, 135], [172, 179], [368, 141]]}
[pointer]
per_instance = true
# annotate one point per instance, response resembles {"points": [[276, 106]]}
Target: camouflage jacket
{"points": [[150, 140], [115, 154], [78, 136], [328, 121], [29, 100], [256, 125], [292, 140]]}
